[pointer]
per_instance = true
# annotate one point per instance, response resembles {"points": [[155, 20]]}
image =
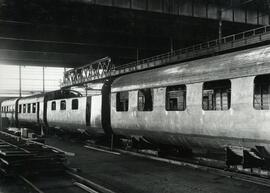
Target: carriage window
{"points": [[53, 107], [24, 108], [176, 98], [34, 108], [2, 109], [75, 104], [63, 105], [216, 95], [145, 99], [7, 108], [20, 108], [122, 101], [261, 100], [28, 108]]}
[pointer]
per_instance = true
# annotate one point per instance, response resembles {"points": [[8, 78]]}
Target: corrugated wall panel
{"points": [[199, 8], [139, 4], [155, 5], [239, 16], [185, 8], [104, 2], [212, 11], [227, 15], [122, 3], [252, 16], [263, 19]]}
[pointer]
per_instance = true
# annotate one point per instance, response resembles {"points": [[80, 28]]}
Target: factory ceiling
{"points": [[72, 33]]}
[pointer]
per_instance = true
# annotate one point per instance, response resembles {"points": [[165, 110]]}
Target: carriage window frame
{"points": [[34, 107], [20, 108], [150, 103], [221, 89], [124, 100], [75, 104], [63, 105], [263, 106], [183, 89], [28, 108], [24, 108], [53, 106]]}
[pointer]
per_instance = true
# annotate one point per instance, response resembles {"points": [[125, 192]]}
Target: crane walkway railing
{"points": [[104, 70]]}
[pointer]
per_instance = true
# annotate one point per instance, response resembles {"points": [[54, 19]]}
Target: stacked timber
{"points": [[22, 157]]}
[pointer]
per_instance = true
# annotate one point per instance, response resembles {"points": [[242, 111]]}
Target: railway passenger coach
{"points": [[81, 114], [210, 103], [8, 111], [30, 111]]}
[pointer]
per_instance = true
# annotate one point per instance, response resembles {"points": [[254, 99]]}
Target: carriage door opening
{"points": [[88, 112]]}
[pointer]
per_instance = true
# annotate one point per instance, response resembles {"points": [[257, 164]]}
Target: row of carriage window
{"points": [[28, 108], [63, 106], [216, 96], [7, 108], [32, 107]]}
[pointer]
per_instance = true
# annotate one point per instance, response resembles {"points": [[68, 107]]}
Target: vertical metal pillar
{"points": [[43, 78], [220, 24], [0, 117], [137, 56], [20, 80], [1, 127]]}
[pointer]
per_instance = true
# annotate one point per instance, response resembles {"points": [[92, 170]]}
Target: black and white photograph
{"points": [[134, 96]]}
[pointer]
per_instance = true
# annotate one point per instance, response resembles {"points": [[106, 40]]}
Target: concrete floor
{"points": [[12, 185], [130, 174]]}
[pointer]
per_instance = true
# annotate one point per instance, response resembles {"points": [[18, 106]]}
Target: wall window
{"points": [[74, 104], [145, 99], [7, 109], [217, 95], [20, 108], [261, 100], [28, 108], [53, 106], [63, 105], [176, 98], [34, 108], [122, 101], [24, 108]]}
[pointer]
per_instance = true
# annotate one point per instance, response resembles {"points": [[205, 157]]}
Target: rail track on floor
{"points": [[42, 167], [68, 182], [198, 163]]}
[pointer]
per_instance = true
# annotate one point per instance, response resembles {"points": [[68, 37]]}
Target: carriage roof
{"points": [[227, 66]]}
